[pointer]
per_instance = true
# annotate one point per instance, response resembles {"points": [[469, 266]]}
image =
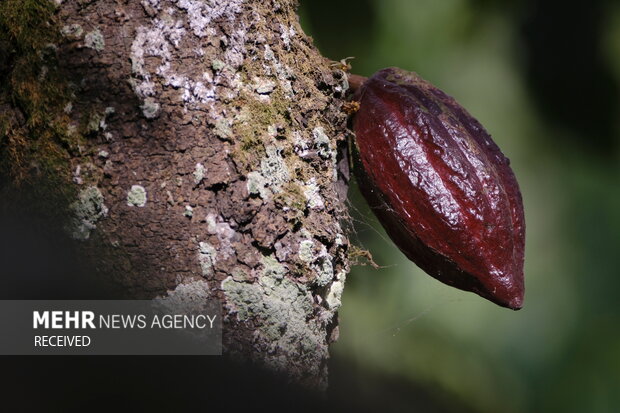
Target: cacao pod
{"points": [[440, 186]]}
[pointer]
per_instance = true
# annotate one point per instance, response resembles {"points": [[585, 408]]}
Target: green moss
{"points": [[291, 196], [32, 84], [24, 21], [253, 125]]}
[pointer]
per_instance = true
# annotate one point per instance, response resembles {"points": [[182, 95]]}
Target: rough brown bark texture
{"points": [[207, 164]]}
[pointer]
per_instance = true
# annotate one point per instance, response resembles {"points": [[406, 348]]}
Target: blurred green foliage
{"points": [[545, 85]]}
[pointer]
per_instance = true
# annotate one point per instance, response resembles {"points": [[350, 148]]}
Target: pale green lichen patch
{"points": [[272, 268], [267, 300], [334, 295], [257, 185], [72, 31], [300, 144], [272, 176], [212, 226], [222, 129], [94, 40], [206, 258], [340, 239], [150, 108], [323, 144], [189, 211], [94, 123], [86, 210], [217, 65], [272, 131], [263, 86], [199, 173], [313, 196], [187, 297], [324, 270], [306, 251], [320, 263], [325, 149], [245, 298], [136, 196], [273, 167]]}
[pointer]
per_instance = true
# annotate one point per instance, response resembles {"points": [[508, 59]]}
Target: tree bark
{"points": [[199, 139]]}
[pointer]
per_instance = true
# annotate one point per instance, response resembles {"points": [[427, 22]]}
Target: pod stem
{"points": [[355, 81]]}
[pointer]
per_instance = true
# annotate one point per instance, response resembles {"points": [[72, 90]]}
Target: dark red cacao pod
{"points": [[440, 186]]}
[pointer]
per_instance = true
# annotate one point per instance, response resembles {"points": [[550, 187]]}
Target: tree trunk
{"points": [[198, 140]]}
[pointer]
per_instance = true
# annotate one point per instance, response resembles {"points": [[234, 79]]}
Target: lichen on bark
{"points": [[210, 130]]}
